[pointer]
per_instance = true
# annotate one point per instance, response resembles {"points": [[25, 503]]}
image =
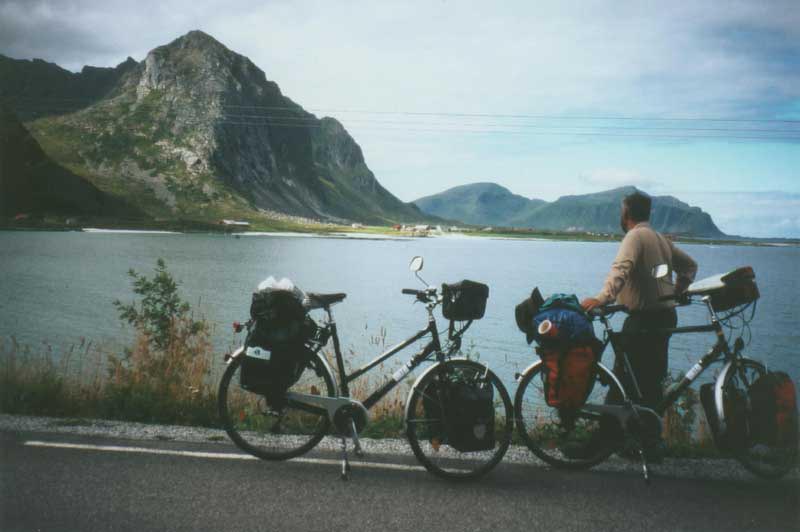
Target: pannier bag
{"points": [[773, 410], [740, 288], [568, 375], [272, 373], [461, 414], [569, 353], [735, 435], [464, 301], [279, 317], [276, 352]]}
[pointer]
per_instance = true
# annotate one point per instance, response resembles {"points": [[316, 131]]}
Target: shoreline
{"points": [[377, 233]]}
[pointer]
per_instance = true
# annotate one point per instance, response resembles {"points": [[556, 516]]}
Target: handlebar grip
{"points": [[410, 291]]}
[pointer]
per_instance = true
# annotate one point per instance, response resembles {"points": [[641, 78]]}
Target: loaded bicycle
{"points": [[764, 439], [278, 400]]}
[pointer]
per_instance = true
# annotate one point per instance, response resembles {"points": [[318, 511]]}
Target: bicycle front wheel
{"points": [[760, 457], [268, 433], [564, 439], [436, 446]]}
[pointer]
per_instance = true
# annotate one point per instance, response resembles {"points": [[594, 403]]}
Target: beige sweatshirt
{"points": [[631, 280]]}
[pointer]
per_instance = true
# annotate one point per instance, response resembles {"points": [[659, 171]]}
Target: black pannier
{"points": [[279, 317], [276, 352], [464, 301], [740, 288], [460, 414]]}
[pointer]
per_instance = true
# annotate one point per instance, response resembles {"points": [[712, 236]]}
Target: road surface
{"points": [[80, 483]]}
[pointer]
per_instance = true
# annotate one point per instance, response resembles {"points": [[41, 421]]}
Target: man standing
{"points": [[632, 282]]}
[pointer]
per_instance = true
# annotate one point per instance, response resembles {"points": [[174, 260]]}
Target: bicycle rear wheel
{"points": [[567, 440], [760, 458], [268, 433], [426, 432]]}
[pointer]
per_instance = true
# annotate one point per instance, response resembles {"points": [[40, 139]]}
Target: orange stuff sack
{"points": [[568, 375]]}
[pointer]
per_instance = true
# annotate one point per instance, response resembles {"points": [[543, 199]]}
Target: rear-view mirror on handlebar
{"points": [[416, 264]]}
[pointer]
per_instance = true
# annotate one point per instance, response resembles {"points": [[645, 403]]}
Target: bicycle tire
{"points": [[759, 458], [442, 459], [269, 434], [549, 435]]}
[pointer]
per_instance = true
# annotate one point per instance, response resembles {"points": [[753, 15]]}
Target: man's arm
{"points": [[620, 272], [685, 268]]}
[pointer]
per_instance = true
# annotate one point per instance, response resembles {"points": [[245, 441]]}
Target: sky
{"points": [[698, 100]]}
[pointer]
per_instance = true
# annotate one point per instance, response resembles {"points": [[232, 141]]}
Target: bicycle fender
{"points": [[233, 356], [601, 369], [719, 391]]}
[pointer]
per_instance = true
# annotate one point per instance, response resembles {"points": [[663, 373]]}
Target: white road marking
{"points": [[223, 456]]}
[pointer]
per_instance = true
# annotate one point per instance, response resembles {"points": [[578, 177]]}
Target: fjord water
{"points": [[57, 288]]}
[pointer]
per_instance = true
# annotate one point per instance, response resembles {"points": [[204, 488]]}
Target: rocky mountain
{"points": [[32, 184], [197, 131], [477, 204], [489, 204], [37, 88]]}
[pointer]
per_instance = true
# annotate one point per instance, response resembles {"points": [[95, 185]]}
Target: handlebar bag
{"points": [[568, 373], [464, 301], [461, 414], [739, 288], [773, 410]]}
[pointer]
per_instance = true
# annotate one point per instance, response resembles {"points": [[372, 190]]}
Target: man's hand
{"points": [[681, 284], [589, 303]]}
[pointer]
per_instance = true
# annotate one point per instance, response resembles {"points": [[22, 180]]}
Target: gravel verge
{"points": [[693, 468]]}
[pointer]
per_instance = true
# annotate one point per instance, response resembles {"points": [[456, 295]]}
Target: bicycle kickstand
{"points": [[645, 469], [345, 462]]}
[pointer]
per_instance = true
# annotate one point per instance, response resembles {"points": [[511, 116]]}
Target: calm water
{"points": [[59, 287]]}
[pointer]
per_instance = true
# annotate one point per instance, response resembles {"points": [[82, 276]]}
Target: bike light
{"points": [[237, 327]]}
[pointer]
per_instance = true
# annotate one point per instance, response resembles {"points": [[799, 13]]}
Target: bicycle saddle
{"points": [[324, 300]]}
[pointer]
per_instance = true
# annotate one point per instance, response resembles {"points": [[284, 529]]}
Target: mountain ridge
{"points": [[196, 130], [595, 212]]}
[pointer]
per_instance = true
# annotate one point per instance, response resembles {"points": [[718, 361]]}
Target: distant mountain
{"points": [[489, 204], [477, 204], [32, 184], [196, 131]]}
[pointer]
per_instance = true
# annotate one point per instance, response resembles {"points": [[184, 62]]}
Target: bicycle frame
{"points": [[721, 351], [432, 347]]}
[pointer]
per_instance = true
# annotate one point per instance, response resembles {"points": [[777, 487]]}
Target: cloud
{"points": [[758, 214], [614, 178]]}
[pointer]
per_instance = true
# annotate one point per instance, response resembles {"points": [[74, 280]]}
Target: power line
{"points": [[464, 114]]}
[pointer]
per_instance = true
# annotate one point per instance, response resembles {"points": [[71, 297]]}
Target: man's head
{"points": [[635, 209]]}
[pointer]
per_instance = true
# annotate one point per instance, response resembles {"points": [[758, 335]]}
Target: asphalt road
{"points": [[96, 486]]}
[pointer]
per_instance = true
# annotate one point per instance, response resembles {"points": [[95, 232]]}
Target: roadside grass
{"points": [[165, 376]]}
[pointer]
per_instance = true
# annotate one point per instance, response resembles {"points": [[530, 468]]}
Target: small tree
{"points": [[160, 308], [164, 375]]}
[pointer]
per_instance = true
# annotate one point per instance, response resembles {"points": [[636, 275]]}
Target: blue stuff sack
{"points": [[573, 327]]}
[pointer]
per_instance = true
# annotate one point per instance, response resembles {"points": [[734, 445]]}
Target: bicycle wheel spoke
{"points": [[273, 434], [567, 439]]}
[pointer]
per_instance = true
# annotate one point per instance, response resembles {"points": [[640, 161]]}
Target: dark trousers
{"points": [[648, 355]]}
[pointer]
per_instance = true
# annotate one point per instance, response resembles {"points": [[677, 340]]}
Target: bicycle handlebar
{"points": [[411, 291], [605, 310]]}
